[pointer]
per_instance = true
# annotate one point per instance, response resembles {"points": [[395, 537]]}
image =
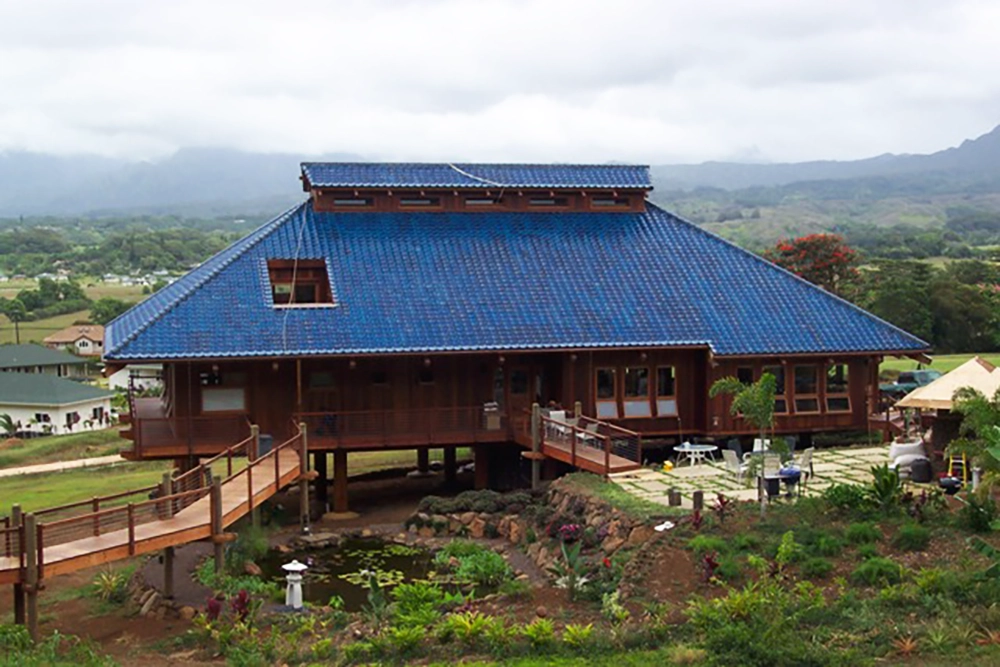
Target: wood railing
{"points": [[150, 432], [589, 442], [374, 428], [107, 517]]}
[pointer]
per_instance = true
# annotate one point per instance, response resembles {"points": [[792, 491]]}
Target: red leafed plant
{"points": [[722, 507], [213, 608], [240, 605], [709, 566], [697, 520]]}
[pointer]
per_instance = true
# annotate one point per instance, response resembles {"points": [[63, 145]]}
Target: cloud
{"points": [[553, 80]]}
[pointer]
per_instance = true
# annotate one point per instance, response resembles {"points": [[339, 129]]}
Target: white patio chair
{"points": [[805, 463], [734, 465], [759, 447]]}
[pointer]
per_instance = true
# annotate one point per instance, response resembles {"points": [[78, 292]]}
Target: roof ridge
{"points": [[596, 165], [187, 288], [782, 269]]}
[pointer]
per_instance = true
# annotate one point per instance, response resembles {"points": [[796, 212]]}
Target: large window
{"points": [[607, 402], [780, 404], [223, 392], [806, 389], [837, 387], [636, 402], [744, 374], [301, 282], [666, 392]]}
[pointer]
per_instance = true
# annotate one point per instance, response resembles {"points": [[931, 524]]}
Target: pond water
{"points": [[329, 566]]}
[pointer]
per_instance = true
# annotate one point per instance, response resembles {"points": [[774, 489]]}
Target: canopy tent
{"points": [[976, 373]]}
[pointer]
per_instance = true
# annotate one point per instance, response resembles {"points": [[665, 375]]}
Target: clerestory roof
{"points": [[474, 176]]}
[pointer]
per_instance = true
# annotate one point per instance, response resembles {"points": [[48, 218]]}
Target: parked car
{"points": [[907, 382]]}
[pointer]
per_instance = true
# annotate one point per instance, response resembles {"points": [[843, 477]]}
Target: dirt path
{"points": [[59, 466]]}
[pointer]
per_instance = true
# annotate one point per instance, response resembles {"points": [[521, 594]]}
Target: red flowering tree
{"points": [[822, 259]]}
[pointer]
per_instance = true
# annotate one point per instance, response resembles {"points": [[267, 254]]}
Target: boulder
{"points": [[612, 544], [149, 604], [515, 532], [467, 517], [503, 528], [187, 613], [251, 568], [426, 531], [477, 528], [639, 535]]}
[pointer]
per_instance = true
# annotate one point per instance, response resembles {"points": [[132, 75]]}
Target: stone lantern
{"points": [[293, 591]]}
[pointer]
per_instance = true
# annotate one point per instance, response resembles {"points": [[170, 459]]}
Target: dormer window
{"points": [[354, 202], [479, 201], [302, 282], [610, 202], [548, 202], [419, 202]]}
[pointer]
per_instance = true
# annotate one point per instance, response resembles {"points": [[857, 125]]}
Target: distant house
{"points": [[42, 404], [142, 377], [87, 340], [30, 358]]}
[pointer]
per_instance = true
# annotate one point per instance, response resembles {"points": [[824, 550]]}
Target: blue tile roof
{"points": [[418, 175], [422, 282]]}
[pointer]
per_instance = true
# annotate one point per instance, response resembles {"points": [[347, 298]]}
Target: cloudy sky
{"points": [[548, 80]]}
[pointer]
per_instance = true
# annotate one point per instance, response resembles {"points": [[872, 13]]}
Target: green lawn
{"points": [[59, 488], [63, 448], [942, 362]]}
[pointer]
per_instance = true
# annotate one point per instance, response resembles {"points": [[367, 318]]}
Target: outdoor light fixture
{"points": [[293, 591], [352, 364], [427, 361]]}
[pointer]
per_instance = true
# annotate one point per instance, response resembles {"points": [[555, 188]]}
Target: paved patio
{"points": [[847, 465]]}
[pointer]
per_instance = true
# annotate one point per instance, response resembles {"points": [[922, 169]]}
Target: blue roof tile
{"points": [[423, 282], [417, 175]]}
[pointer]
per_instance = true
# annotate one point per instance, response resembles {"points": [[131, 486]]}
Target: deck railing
{"points": [[594, 441], [384, 428], [108, 517], [152, 429]]}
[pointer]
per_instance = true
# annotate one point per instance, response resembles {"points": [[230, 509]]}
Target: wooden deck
{"points": [[588, 458], [191, 523]]}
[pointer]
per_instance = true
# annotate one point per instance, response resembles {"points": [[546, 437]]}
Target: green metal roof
{"points": [[17, 356], [44, 389]]}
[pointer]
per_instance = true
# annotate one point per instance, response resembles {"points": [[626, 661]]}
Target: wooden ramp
{"points": [[185, 515], [588, 458]]}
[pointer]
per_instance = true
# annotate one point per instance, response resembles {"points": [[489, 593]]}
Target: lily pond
{"points": [[344, 570]]}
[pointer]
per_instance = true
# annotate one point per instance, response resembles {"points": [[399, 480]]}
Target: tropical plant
{"points": [[572, 572], [754, 402], [111, 586], [539, 633], [980, 431], [578, 636], [7, 425], [886, 488]]}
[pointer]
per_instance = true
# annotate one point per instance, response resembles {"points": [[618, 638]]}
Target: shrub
{"points": [[499, 636], [486, 568], [847, 497], [407, 641], [826, 545], [866, 551], [578, 636], [745, 542], [816, 568], [250, 546], [706, 544], [862, 533], [111, 586], [877, 571], [539, 633], [515, 589], [886, 488], [978, 515], [728, 569], [912, 537], [468, 627]]}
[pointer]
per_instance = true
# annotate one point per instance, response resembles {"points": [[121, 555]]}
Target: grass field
{"points": [[62, 448], [49, 489], [39, 329], [943, 362]]}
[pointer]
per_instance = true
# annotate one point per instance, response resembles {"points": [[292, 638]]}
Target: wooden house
{"points": [[432, 305]]}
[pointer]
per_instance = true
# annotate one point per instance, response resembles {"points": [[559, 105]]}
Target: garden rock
{"points": [[611, 544], [477, 528], [187, 613], [148, 605], [251, 568], [515, 532]]}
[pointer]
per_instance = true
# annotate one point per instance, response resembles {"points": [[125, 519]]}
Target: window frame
{"points": [[631, 402], [782, 396], [662, 398], [605, 402], [309, 274], [806, 395], [845, 394]]}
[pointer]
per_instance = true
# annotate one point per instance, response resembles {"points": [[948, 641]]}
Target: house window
{"points": [[607, 402], [548, 202], [518, 383], [72, 418], [43, 418], [780, 404], [666, 392], [837, 397], [97, 414], [636, 402], [223, 393], [355, 202], [419, 202], [806, 389], [744, 375], [299, 282], [608, 202], [479, 202]]}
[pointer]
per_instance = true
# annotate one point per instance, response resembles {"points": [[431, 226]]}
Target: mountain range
{"points": [[214, 181]]}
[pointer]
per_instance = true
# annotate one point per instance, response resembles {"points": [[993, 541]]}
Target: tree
{"points": [[980, 433], [16, 313], [7, 425], [822, 259], [106, 309], [899, 292], [754, 402]]}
